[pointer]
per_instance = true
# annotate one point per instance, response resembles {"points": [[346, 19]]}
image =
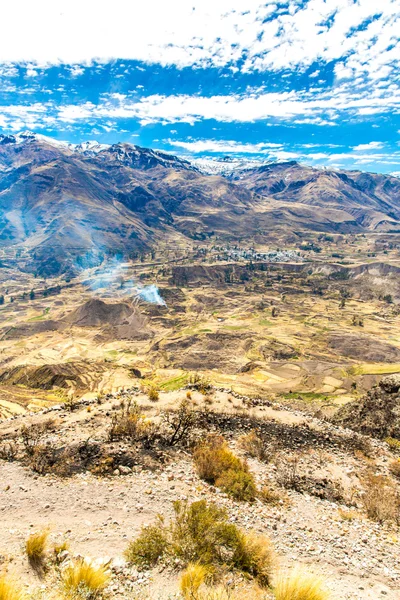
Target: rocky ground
{"points": [[321, 525]]}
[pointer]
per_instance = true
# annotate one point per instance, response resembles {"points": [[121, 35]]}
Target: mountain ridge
{"points": [[59, 201]]}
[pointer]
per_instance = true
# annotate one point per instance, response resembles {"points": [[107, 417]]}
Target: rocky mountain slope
{"points": [[372, 200], [59, 202], [377, 413]]}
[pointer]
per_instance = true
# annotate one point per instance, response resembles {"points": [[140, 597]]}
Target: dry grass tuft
{"points": [[255, 446], [153, 393], [348, 514], [192, 578], [300, 586], [269, 495], [60, 547], [83, 580], [381, 499], [255, 556], [9, 590], [36, 549]]}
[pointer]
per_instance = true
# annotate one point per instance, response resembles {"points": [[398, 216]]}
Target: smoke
{"points": [[111, 277], [151, 294]]}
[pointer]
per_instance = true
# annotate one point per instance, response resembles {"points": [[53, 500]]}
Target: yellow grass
{"points": [[192, 578], [36, 546], [83, 580], [9, 590], [300, 586]]}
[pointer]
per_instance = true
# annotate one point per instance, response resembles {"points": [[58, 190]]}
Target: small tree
{"points": [[1, 300], [31, 295]]}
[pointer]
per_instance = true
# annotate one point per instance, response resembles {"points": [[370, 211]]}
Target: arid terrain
{"points": [[123, 379]]}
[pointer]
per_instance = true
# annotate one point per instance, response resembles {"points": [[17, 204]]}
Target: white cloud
{"points": [[370, 146], [223, 146], [31, 72], [206, 32], [307, 108]]}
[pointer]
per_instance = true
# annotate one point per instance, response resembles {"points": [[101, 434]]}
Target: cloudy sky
{"points": [[310, 80]]}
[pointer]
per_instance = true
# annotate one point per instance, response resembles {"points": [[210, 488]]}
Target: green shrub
{"points": [[149, 546], [239, 484], [200, 533], [216, 464]]}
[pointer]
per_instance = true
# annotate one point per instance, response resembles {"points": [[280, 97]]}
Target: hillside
{"points": [[60, 202], [372, 200]]}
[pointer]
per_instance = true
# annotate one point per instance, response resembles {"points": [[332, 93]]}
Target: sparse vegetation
{"points": [[129, 422], [32, 435], [192, 578], [199, 382], [82, 580], [9, 590], [381, 499], [216, 464], [201, 533], [36, 549], [153, 393], [178, 425], [253, 445], [300, 586]]}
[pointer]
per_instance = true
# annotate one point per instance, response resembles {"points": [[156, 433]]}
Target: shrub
{"points": [[270, 496], [216, 464], [9, 590], [393, 443], [9, 451], [129, 422], [84, 580], [200, 383], [381, 499], [153, 393], [36, 548], [201, 533], [254, 555], [238, 484], [149, 546], [178, 425], [300, 586], [32, 434], [287, 474], [253, 445]]}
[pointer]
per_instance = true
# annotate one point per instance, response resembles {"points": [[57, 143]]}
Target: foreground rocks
{"points": [[377, 413]]}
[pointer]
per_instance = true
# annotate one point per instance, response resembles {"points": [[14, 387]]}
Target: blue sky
{"points": [[309, 80]]}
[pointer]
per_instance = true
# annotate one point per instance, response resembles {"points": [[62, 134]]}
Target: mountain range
{"points": [[60, 202]]}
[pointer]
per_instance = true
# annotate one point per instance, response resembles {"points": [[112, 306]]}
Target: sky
{"points": [[316, 81]]}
